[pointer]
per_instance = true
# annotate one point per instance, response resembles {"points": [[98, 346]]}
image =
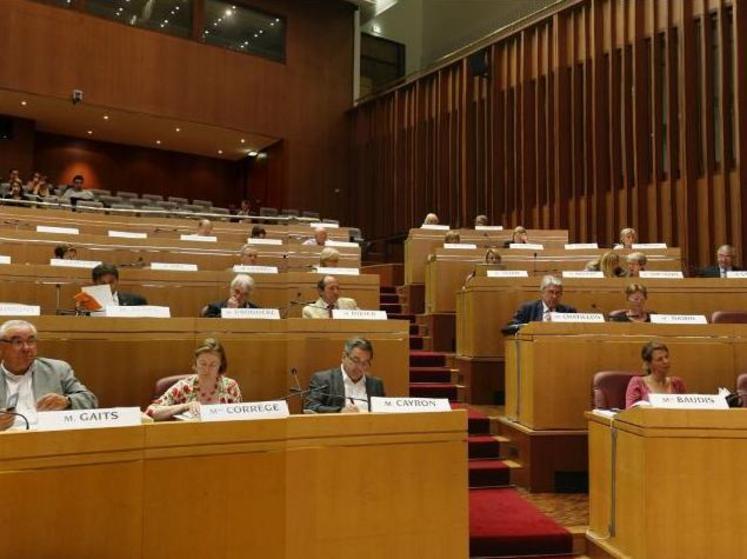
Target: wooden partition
{"points": [[121, 488]]}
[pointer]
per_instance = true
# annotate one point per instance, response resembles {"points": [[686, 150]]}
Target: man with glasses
{"points": [[347, 388], [31, 384]]}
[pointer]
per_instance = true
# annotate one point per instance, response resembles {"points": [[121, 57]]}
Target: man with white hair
{"points": [[724, 263], [31, 384], [551, 291], [238, 298], [204, 228], [319, 238]]}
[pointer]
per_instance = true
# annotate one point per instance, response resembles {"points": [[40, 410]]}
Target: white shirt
{"points": [[21, 385], [355, 390], [545, 312]]}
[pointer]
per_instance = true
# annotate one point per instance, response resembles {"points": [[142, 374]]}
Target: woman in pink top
{"points": [[656, 365]]}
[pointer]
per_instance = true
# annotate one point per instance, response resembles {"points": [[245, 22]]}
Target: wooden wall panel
{"points": [[600, 115]]}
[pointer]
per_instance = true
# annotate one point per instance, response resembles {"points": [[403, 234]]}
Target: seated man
{"points": [[65, 252], [258, 232], [347, 388], [725, 258], [319, 238], [430, 219], [551, 290], [248, 255], [240, 289], [75, 191], [636, 264], [329, 299], [36, 384], [481, 220], [204, 228], [108, 274]]}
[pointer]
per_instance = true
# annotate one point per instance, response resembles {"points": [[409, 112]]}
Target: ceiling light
{"points": [[220, 152], [158, 142], [106, 117], [24, 103], [243, 141], [89, 132], [252, 154], [178, 129]]}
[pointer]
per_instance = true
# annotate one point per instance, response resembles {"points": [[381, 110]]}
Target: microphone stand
{"points": [[25, 419]]}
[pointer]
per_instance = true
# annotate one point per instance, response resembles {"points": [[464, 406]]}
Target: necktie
{"points": [[329, 310]]}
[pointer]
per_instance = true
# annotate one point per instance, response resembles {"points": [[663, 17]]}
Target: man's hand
{"points": [[232, 302], [6, 421], [51, 402]]}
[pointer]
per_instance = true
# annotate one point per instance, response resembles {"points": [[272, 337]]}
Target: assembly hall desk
{"points": [[321, 486], [669, 484]]}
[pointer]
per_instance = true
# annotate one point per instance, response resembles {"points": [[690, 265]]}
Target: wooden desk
{"points": [[269, 488], [121, 359], [678, 483]]}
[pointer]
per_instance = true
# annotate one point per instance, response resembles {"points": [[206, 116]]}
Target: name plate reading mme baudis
{"points": [[137, 311], [336, 271], [678, 319], [324, 225], [661, 274], [409, 405], [507, 274], [576, 317], [688, 401], [582, 274], [527, 246], [261, 314], [57, 230], [358, 314], [341, 244], [435, 227], [244, 411], [730, 274], [199, 238], [242, 269], [274, 242], [581, 246], [88, 419], [128, 235], [463, 246], [4, 259], [13, 309], [488, 227], [173, 267], [641, 246], [65, 263]]}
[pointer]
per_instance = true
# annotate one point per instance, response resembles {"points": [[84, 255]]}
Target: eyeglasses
{"points": [[18, 343], [358, 362]]}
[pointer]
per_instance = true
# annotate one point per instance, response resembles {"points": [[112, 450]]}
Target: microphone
{"points": [[294, 374], [17, 414]]}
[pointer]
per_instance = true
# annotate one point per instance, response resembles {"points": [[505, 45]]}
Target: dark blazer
{"points": [[130, 299], [530, 312], [212, 310], [327, 391], [714, 271]]}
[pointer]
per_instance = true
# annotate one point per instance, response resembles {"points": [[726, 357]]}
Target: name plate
{"points": [[57, 230], [263, 314], [88, 419], [241, 269], [137, 311], [526, 246], [173, 267], [274, 242], [640, 246], [128, 235], [409, 405], [678, 319], [688, 401], [244, 411], [4, 259], [508, 274], [74, 263], [341, 244], [199, 238], [325, 225], [580, 246], [12, 309], [576, 317], [467, 246], [661, 274], [731, 274], [582, 274], [337, 271], [434, 227], [358, 314], [488, 227]]}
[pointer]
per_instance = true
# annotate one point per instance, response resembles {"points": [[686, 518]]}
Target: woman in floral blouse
{"points": [[208, 386]]}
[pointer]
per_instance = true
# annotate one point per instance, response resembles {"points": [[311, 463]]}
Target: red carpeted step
{"points": [[478, 422], [433, 390], [388, 298], [430, 374], [416, 342], [400, 316], [427, 359], [387, 289], [481, 446], [488, 473], [502, 523]]}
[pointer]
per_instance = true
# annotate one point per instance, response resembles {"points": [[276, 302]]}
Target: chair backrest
{"points": [[203, 203], [221, 211], [109, 200], [90, 204], [268, 211], [126, 194], [152, 197], [167, 205], [101, 192], [289, 213], [191, 208], [139, 202], [122, 206], [331, 221], [742, 388], [608, 389], [729, 317], [312, 215], [178, 199], [164, 383]]}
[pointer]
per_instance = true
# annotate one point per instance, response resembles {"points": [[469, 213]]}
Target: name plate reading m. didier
{"points": [[358, 314], [88, 419], [409, 405], [262, 314], [244, 411]]}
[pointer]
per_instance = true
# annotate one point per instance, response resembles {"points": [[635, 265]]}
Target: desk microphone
{"points": [[17, 414]]}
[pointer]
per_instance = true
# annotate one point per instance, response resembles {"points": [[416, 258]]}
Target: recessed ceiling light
{"points": [[90, 131], [220, 152], [158, 142], [106, 117], [243, 141], [178, 129], [252, 154], [24, 103]]}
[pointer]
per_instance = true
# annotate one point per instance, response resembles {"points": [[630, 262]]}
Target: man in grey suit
{"points": [[35, 383], [347, 388]]}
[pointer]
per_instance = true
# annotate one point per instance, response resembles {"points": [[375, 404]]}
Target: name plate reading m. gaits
{"points": [[581, 246], [336, 271], [462, 246], [688, 401], [661, 274], [488, 227], [526, 246], [508, 274], [57, 230], [65, 263], [173, 267], [13, 309], [242, 269], [315, 224], [244, 411], [643, 246], [678, 319], [199, 238], [582, 274], [730, 274], [88, 419], [128, 235], [409, 405], [576, 317], [137, 311], [358, 314], [261, 314]]}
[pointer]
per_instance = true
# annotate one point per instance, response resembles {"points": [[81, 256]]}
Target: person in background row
{"points": [[329, 257], [209, 385], [14, 194], [204, 228], [248, 255], [329, 299], [258, 232], [492, 256], [452, 237], [240, 290], [518, 236], [32, 183], [75, 192], [35, 383], [609, 265], [551, 291], [319, 238], [108, 274], [481, 220], [628, 236], [636, 296], [41, 190], [347, 388], [655, 377], [14, 176], [430, 219], [636, 264], [65, 252], [725, 263], [245, 208]]}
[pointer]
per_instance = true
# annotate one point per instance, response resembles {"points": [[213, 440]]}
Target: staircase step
{"points": [[395, 308], [478, 423], [416, 342], [415, 329], [427, 359], [489, 473], [401, 316], [482, 446], [430, 374], [388, 298], [433, 390], [387, 289]]}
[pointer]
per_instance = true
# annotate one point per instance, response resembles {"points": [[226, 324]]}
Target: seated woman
{"points": [[628, 236], [329, 257], [452, 237], [519, 236], [655, 377], [492, 256], [636, 264], [208, 385], [636, 295], [609, 265]]}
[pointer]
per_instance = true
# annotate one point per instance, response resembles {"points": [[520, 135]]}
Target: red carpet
{"points": [[427, 359], [502, 523]]}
